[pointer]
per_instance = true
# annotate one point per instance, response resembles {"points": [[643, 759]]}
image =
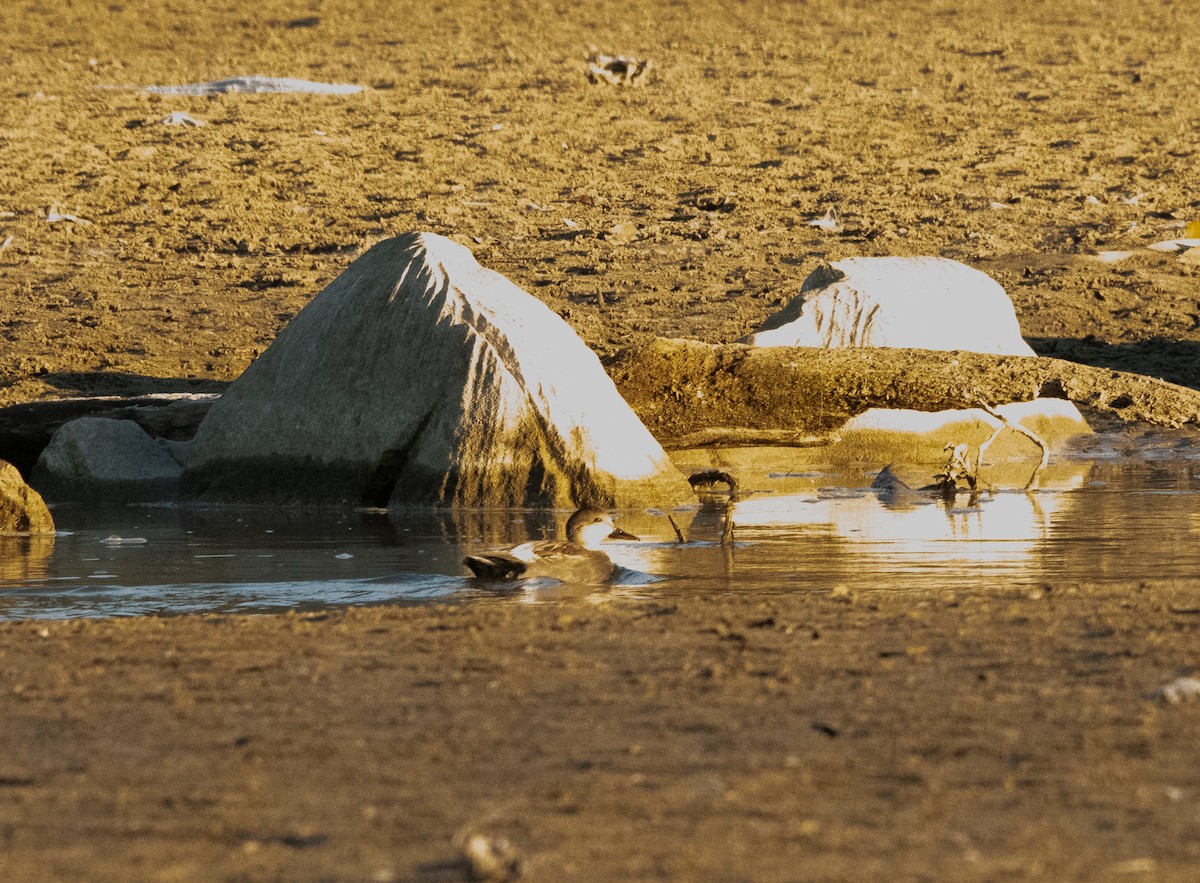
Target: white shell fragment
{"points": [[181, 118], [828, 222], [491, 858], [54, 216], [257, 85], [1179, 690], [619, 70], [1169, 245]]}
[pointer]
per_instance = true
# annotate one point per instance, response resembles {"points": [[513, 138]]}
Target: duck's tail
{"points": [[495, 566]]}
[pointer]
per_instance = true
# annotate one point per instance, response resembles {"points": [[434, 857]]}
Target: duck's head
{"points": [[590, 527]]}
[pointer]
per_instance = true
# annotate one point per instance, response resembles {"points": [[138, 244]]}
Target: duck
{"points": [[577, 559]]}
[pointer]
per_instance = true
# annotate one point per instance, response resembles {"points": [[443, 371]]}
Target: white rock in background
{"points": [[419, 376], [919, 303], [1174, 245], [99, 454], [915, 303]]}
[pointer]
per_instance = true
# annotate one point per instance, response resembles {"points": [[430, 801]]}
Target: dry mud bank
{"points": [[978, 735], [1018, 137]]}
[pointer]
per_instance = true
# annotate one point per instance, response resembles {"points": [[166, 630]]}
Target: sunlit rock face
{"points": [[95, 458], [419, 376], [917, 303], [22, 510]]}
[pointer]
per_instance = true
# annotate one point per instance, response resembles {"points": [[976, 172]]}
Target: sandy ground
{"points": [[712, 738]]}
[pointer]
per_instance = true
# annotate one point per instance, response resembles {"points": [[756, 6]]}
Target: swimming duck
{"points": [[577, 559]]}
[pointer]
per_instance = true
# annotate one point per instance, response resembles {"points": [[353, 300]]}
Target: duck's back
{"points": [[556, 559]]}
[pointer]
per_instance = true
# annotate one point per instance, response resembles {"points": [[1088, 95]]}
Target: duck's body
{"points": [[574, 560]]}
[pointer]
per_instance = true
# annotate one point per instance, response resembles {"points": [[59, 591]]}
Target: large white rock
{"points": [[419, 376], [918, 303], [99, 456]]}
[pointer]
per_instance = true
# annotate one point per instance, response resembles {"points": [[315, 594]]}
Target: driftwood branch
{"points": [[1023, 430], [678, 533], [741, 437]]}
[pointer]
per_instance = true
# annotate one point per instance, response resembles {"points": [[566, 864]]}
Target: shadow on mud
{"points": [[1175, 361]]}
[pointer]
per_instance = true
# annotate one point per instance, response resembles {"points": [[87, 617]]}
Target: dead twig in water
{"points": [[727, 531], [678, 532], [987, 444]]}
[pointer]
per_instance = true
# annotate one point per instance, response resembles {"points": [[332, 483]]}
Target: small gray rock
{"points": [[99, 455]]}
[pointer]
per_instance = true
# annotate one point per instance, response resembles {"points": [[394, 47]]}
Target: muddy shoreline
{"points": [[972, 735]]}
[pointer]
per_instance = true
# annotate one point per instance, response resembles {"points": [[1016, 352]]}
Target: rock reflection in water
{"points": [[25, 558], [1004, 526], [484, 529], [792, 532]]}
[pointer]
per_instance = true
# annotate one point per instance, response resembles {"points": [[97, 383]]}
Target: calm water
{"points": [[1104, 516]]}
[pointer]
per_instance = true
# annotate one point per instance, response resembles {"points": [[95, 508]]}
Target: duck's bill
{"points": [[619, 534]]}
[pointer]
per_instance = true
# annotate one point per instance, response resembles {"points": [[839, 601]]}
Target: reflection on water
{"points": [[807, 531], [24, 558]]}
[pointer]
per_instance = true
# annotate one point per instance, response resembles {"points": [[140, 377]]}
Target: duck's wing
{"points": [[527, 552], [547, 550]]}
